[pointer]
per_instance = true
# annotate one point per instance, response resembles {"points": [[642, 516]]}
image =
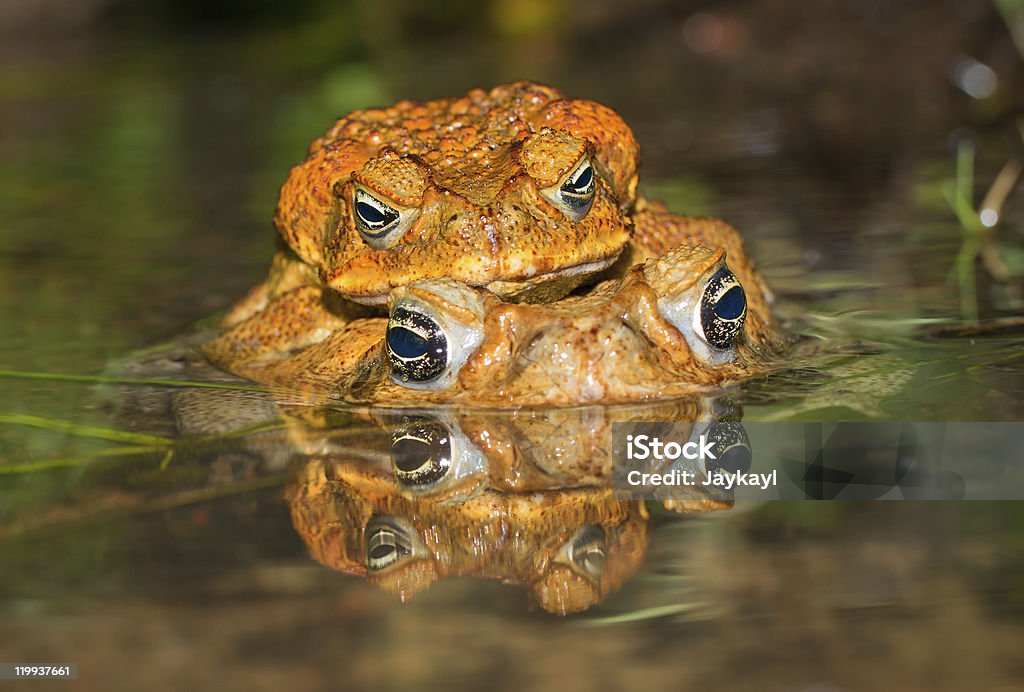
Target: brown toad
{"points": [[519, 190], [672, 326], [571, 547]]}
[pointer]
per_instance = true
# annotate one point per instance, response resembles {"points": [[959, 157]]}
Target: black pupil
{"points": [[417, 346], [406, 343], [382, 550], [372, 216], [735, 459], [410, 454], [421, 453], [593, 558], [732, 445], [722, 318], [581, 183], [732, 304], [588, 549]]}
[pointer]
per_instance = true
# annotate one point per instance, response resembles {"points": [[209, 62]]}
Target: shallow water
{"points": [[138, 173]]}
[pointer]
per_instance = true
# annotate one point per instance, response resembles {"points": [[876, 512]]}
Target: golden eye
{"points": [[732, 447], [434, 327], [586, 551], [421, 453], [578, 188], [723, 308], [379, 223], [709, 310], [373, 216], [432, 457], [417, 346], [386, 544], [575, 194]]}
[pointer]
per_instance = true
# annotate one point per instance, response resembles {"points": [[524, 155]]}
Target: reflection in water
{"points": [[522, 498], [407, 498], [571, 547]]}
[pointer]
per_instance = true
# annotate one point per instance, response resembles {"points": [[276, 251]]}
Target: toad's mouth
{"points": [[539, 288]]}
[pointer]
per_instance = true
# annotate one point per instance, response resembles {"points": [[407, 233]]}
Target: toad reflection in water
{"points": [[407, 497], [672, 326], [569, 547], [472, 219], [428, 503]]}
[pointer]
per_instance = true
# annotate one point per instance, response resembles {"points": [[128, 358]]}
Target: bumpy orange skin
{"points": [[335, 501], [473, 167], [614, 344]]}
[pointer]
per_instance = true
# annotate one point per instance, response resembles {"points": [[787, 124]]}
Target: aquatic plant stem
{"points": [[959, 198], [103, 379], [64, 426]]}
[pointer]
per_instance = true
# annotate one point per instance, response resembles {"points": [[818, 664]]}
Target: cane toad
{"points": [[570, 547], [519, 190], [446, 454], [669, 327]]}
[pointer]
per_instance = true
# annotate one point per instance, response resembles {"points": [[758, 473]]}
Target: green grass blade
{"points": [[103, 379], [645, 614], [72, 462], [57, 425]]}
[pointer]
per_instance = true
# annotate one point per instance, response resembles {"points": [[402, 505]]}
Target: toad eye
{"points": [[417, 346], [581, 182], [421, 453], [585, 551], [379, 223], [723, 307], [434, 327], [433, 457], [386, 544], [575, 195], [732, 447], [373, 216], [709, 312]]}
